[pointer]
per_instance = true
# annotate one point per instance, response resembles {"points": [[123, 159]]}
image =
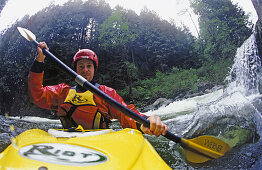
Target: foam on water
{"points": [[185, 106], [35, 119], [245, 75], [234, 101], [231, 106]]}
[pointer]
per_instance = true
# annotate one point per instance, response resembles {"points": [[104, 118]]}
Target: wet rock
{"points": [[161, 102], [208, 91], [202, 86], [249, 154], [216, 88], [238, 136], [193, 95], [258, 164], [158, 103], [258, 6]]}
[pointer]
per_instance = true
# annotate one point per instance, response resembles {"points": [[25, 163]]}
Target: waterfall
{"points": [[238, 105], [245, 74], [245, 77]]}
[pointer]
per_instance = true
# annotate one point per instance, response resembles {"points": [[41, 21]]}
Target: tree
{"points": [[116, 38], [223, 27], [130, 47], [115, 34], [162, 44], [58, 26]]}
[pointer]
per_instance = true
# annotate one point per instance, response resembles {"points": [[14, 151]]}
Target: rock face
{"points": [[258, 7], [158, 103]]}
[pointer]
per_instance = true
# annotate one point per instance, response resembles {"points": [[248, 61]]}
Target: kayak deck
{"points": [[103, 149]]}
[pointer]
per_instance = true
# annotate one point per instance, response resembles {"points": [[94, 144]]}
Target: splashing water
{"points": [[238, 105], [245, 74], [244, 80], [232, 114]]}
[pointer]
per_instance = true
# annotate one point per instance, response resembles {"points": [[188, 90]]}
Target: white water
{"points": [[234, 102], [245, 74], [185, 106], [35, 119], [226, 108], [236, 105]]}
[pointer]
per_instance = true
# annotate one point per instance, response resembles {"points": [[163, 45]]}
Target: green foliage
{"points": [[168, 85], [141, 56], [115, 34], [223, 27], [178, 82], [163, 44], [216, 72]]}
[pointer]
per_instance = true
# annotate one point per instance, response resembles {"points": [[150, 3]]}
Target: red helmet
{"points": [[85, 53]]}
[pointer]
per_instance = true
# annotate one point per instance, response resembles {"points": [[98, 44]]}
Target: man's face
{"points": [[85, 68]]}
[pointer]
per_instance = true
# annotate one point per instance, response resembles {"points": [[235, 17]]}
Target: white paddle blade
{"points": [[26, 34]]}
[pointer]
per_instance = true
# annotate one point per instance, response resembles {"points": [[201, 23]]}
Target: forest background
{"points": [[142, 56]]}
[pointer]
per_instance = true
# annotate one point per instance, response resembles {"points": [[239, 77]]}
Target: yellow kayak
{"points": [[94, 149]]}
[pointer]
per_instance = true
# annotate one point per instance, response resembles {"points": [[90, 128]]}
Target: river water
{"points": [[232, 114]]}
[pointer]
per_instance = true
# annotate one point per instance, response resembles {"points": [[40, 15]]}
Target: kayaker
{"points": [[77, 106]]}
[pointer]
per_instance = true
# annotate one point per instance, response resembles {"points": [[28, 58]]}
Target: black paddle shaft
{"points": [[88, 86]]}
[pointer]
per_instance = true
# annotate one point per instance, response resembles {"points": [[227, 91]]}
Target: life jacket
{"points": [[79, 108]]}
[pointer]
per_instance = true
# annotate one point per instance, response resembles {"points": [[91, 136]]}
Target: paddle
{"points": [[197, 150]]}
